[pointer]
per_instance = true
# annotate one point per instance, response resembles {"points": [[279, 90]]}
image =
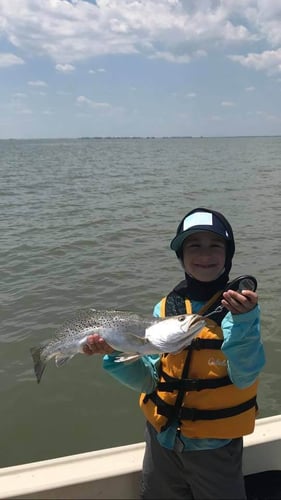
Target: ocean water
{"points": [[87, 223]]}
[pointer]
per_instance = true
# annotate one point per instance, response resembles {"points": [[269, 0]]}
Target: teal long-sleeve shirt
{"points": [[242, 347]]}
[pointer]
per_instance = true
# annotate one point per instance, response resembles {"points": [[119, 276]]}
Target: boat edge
{"points": [[114, 473]]}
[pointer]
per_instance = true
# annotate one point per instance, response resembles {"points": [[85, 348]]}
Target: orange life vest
{"points": [[195, 391]]}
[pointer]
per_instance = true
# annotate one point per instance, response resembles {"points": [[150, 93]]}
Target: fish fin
{"points": [[127, 358], [61, 360], [39, 365]]}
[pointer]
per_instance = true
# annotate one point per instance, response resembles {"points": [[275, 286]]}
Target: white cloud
{"points": [[7, 60], [94, 71], [37, 83], [92, 104], [227, 104], [19, 95], [65, 68], [269, 116], [16, 105], [170, 57], [169, 52], [174, 30], [266, 15], [269, 60]]}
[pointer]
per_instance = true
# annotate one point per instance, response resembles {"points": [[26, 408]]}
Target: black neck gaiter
{"points": [[201, 290]]}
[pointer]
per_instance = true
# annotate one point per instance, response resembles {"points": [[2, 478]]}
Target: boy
{"points": [[200, 402]]}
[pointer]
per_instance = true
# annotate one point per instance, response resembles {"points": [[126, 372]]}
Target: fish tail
{"points": [[39, 365]]}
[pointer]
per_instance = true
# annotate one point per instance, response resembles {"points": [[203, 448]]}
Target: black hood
{"points": [[199, 290]]}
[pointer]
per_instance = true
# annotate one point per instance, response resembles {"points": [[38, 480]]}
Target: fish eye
{"points": [[181, 318]]}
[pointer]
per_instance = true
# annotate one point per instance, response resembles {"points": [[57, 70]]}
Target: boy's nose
{"points": [[205, 252]]}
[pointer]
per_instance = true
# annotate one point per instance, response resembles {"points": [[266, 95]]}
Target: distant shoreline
{"points": [[89, 138]]}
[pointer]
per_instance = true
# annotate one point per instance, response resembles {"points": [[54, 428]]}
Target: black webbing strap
{"points": [[181, 392], [193, 414], [199, 344], [173, 384]]}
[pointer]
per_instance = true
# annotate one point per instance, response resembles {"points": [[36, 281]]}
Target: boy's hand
{"points": [[239, 302], [96, 345]]}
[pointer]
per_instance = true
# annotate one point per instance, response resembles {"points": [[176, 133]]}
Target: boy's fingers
{"points": [[87, 350]]}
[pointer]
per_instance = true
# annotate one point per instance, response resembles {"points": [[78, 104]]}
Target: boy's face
{"points": [[204, 255]]}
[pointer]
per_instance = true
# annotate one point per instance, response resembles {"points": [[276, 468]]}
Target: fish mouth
{"points": [[198, 319], [195, 324]]}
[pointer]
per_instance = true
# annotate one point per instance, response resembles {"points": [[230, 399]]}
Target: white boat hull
{"points": [[114, 473]]}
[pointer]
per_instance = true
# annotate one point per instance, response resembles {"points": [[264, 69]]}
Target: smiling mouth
{"points": [[205, 266]]}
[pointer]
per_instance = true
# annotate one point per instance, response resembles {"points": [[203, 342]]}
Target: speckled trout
{"points": [[131, 334]]}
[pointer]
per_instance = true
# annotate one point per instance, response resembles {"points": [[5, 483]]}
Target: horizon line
{"points": [[138, 137]]}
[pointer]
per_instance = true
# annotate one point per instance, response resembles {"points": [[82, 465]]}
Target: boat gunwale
{"points": [[98, 470]]}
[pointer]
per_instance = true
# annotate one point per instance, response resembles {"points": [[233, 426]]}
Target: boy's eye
{"points": [[198, 245]]}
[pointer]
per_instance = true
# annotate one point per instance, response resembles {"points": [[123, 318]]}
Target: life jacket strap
{"points": [[199, 344], [173, 384], [194, 414]]}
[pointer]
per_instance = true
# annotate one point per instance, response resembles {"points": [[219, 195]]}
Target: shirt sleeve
{"points": [[243, 347], [140, 375], [156, 310]]}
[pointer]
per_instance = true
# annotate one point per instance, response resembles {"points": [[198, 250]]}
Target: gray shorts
{"points": [[197, 475]]}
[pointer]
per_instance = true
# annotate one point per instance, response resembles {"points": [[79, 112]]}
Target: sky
{"points": [[76, 68]]}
